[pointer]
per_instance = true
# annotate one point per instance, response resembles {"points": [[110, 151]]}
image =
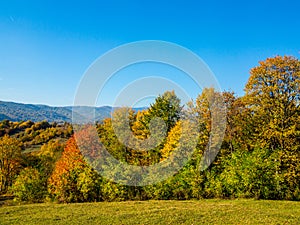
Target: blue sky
{"points": [[46, 46]]}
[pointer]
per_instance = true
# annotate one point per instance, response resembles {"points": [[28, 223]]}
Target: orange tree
{"points": [[72, 179]]}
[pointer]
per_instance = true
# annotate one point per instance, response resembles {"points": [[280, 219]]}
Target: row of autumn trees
{"points": [[259, 156]]}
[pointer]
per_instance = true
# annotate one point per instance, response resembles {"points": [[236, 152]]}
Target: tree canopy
{"points": [[258, 155]]}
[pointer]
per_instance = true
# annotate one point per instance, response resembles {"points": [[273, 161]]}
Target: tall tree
{"points": [[167, 107], [10, 154], [273, 96], [211, 115], [238, 135]]}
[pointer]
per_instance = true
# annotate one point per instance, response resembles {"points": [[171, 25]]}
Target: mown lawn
{"points": [[156, 212]]}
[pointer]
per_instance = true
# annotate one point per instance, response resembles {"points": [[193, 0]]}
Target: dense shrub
{"points": [[29, 186]]}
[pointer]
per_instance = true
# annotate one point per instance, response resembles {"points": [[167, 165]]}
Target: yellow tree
{"points": [[138, 127], [10, 154], [273, 94], [172, 141], [211, 113]]}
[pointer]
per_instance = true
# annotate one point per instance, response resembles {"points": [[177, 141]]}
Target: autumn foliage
{"points": [[72, 179], [10, 158], [259, 155]]}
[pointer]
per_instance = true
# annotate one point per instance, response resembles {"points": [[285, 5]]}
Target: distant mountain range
{"points": [[19, 111]]}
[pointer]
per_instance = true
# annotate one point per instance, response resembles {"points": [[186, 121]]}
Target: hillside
{"points": [[22, 112]]}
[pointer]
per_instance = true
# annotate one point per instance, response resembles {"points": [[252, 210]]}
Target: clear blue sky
{"points": [[46, 46]]}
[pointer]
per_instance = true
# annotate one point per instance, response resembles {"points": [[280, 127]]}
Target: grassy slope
{"points": [[156, 212]]}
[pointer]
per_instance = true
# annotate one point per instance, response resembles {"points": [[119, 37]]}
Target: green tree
{"points": [[110, 141], [128, 133], [167, 107]]}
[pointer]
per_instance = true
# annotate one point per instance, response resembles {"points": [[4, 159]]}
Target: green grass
{"points": [[156, 212]]}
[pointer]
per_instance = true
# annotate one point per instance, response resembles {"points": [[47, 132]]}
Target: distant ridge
{"points": [[18, 111]]}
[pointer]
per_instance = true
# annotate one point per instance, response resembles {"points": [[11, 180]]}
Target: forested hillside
{"points": [[22, 112], [259, 156]]}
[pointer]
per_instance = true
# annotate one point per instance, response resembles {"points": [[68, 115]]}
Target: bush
{"points": [[28, 186], [76, 185], [248, 175]]}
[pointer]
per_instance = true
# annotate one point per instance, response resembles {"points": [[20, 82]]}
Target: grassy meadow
{"points": [[156, 212]]}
